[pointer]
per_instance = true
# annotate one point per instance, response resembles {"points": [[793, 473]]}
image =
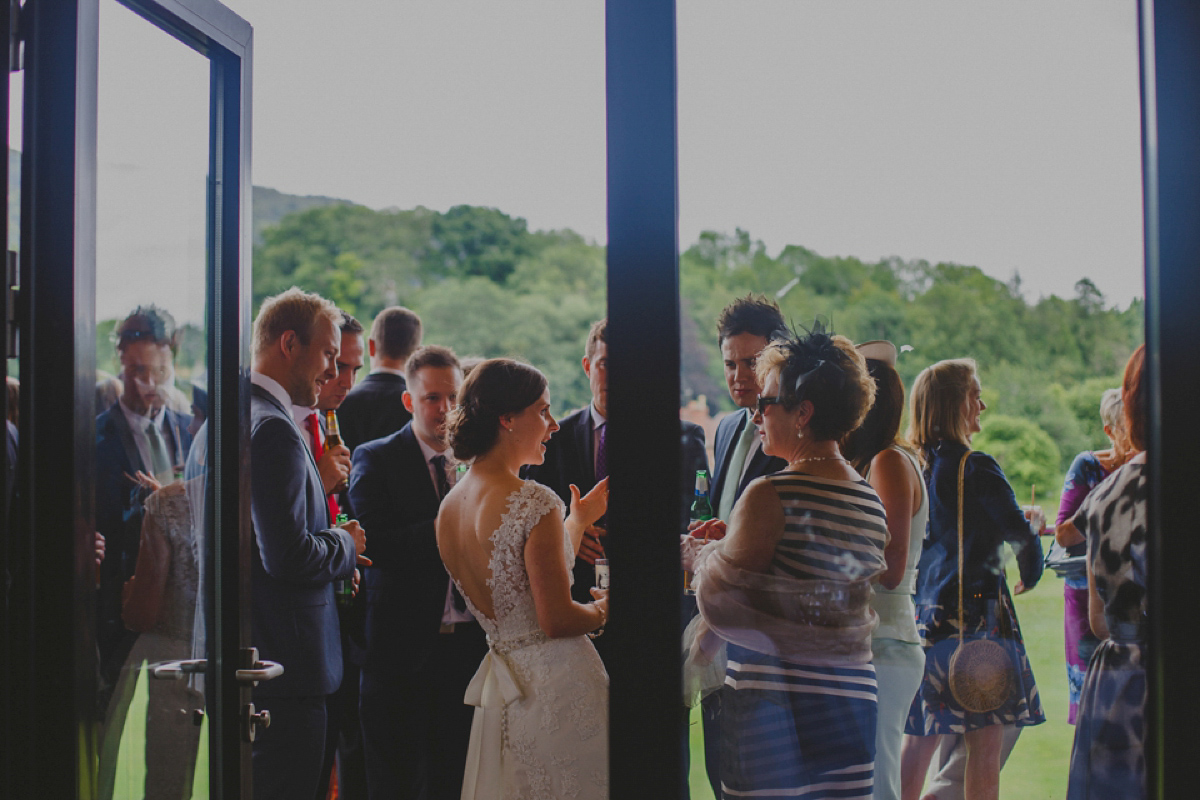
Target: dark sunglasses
{"points": [[763, 402]]}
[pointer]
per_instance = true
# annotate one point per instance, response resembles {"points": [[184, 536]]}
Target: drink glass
{"points": [[601, 573], [1036, 517]]}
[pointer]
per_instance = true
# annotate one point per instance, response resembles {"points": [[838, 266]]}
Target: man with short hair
{"points": [[744, 328], [578, 454], [423, 646], [374, 408], [139, 441], [343, 737], [333, 463], [296, 553]]}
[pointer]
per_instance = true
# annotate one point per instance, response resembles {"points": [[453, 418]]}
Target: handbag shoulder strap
{"points": [[962, 470]]}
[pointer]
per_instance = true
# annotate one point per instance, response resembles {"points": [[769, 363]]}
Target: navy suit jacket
{"points": [[296, 557], [393, 494], [373, 409], [119, 512], [570, 459], [728, 430]]}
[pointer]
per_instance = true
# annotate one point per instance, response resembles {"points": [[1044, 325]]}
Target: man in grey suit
{"points": [[296, 554]]}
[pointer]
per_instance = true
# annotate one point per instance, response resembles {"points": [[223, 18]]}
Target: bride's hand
{"points": [[600, 600], [592, 506]]}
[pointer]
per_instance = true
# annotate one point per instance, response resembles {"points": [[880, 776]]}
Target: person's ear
{"points": [[587, 366], [804, 413], [407, 399], [288, 343], [371, 347]]}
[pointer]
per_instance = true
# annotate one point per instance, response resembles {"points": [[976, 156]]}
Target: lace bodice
{"points": [[512, 599]]}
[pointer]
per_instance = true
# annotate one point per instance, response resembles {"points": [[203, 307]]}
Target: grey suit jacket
{"points": [[296, 557]]}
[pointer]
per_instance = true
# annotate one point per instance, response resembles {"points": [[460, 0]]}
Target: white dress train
{"points": [[540, 730]]}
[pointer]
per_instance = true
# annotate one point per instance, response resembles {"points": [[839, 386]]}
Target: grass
{"points": [[131, 760], [1037, 768]]}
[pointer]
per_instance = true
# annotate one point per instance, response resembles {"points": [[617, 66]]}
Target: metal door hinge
{"points": [[11, 293]]}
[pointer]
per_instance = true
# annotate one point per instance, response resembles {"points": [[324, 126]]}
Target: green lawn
{"points": [[1037, 768], [131, 761]]}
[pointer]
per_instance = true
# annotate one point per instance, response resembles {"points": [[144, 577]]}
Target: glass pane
{"points": [[470, 142], [152, 171], [964, 181]]}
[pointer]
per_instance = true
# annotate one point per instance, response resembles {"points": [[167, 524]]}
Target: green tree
{"points": [[1026, 453]]}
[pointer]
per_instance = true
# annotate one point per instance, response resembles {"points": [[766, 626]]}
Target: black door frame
{"points": [[643, 313], [48, 735]]}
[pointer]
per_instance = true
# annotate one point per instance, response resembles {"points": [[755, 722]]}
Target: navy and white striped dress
{"points": [[791, 729]]}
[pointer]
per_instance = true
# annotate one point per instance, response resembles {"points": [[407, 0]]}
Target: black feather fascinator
{"points": [[810, 354]]}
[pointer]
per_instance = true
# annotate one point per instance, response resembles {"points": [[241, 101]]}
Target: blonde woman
{"points": [[946, 405]]}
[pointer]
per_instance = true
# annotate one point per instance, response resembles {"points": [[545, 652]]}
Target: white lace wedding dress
{"points": [[540, 730]]}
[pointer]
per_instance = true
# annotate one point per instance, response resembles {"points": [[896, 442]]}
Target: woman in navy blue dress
{"points": [[946, 405]]}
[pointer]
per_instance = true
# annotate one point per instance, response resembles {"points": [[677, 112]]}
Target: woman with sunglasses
{"points": [[788, 589]]}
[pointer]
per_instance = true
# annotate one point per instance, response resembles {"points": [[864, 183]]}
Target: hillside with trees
{"points": [[486, 285]]}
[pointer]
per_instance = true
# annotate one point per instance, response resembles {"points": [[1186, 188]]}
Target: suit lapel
{"points": [[585, 447], [286, 413], [725, 447], [125, 435], [412, 473]]}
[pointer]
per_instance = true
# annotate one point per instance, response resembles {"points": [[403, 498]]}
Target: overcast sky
{"points": [[1002, 134]]}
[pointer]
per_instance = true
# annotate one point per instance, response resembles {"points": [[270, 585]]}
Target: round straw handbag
{"points": [[981, 676]]}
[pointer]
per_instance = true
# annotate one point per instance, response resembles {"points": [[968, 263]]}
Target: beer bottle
{"points": [[343, 591], [333, 438], [701, 508]]}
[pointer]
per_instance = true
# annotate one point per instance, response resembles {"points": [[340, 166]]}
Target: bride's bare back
{"points": [[468, 518]]}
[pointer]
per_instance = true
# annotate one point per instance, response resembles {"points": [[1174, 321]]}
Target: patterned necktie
{"points": [[442, 483], [318, 450], [602, 454], [160, 462]]}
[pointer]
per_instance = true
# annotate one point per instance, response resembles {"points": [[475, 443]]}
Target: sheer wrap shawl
{"points": [[806, 620]]}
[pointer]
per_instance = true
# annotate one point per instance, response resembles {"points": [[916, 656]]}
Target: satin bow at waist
{"points": [[493, 688]]}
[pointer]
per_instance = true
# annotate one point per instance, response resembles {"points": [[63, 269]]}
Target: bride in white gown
{"points": [[540, 730]]}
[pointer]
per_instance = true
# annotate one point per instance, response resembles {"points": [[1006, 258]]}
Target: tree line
{"points": [[488, 286]]}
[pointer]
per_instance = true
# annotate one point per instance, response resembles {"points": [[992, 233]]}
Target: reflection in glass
{"points": [[152, 164]]}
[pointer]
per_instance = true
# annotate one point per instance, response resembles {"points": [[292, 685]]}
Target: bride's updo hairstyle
{"points": [[824, 369], [497, 387]]}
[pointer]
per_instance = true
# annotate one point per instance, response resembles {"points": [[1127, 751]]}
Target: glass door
{"points": [[125, 545]]}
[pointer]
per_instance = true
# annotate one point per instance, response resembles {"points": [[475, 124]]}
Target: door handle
{"points": [[261, 671], [177, 670]]}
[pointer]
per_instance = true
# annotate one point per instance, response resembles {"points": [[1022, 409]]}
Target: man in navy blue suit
{"points": [[140, 443], [744, 328], [423, 646], [375, 407], [296, 555], [577, 454]]}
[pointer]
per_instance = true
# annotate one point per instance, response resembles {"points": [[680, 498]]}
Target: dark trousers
{"points": [[415, 725], [710, 713], [343, 740], [288, 754]]}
